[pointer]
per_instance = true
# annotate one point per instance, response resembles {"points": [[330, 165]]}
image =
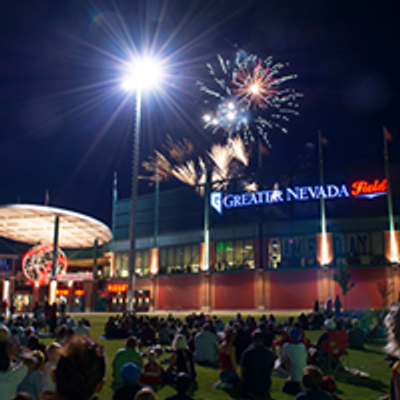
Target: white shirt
{"points": [[10, 380], [297, 354], [48, 385]]}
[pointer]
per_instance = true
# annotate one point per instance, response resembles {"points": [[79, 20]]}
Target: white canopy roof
{"points": [[32, 224]]}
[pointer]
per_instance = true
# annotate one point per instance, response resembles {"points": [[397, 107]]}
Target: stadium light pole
{"points": [[143, 73]]}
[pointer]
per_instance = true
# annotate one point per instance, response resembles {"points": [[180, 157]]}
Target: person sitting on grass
{"points": [[32, 383], [129, 353], [312, 381], [294, 358], [227, 360], [356, 336], [129, 374], [182, 386], [152, 371], [206, 345], [181, 360], [145, 394], [392, 322], [257, 364], [48, 384], [81, 370]]}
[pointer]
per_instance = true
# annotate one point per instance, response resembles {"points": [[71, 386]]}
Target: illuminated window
{"points": [[238, 254], [274, 252]]}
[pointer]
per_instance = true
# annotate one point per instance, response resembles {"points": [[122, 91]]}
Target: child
{"points": [[48, 384], [182, 385], [32, 383], [151, 374]]}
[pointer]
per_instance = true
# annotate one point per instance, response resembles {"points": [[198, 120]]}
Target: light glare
{"points": [[143, 73]]}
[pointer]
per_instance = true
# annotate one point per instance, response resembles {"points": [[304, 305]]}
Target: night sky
{"points": [[66, 125]]}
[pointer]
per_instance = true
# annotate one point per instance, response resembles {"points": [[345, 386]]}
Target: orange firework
{"points": [[257, 86]]}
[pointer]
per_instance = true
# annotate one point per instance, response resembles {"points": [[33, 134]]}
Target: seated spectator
{"points": [[5, 349], [392, 322], [130, 387], [145, 394], [147, 334], [227, 359], [48, 384], [257, 364], [164, 334], [312, 381], [294, 359], [129, 353], [242, 340], [25, 337], [35, 344], [182, 386], [152, 371], [181, 360], [82, 329], [356, 336], [81, 370], [32, 383], [10, 378], [206, 345], [329, 385], [330, 325]]}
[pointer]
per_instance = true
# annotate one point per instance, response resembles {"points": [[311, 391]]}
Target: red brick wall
{"points": [[293, 289], [365, 293], [234, 291], [178, 292]]}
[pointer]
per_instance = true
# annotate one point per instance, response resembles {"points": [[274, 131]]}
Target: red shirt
{"points": [[151, 374]]}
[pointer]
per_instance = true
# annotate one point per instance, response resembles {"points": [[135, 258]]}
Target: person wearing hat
{"points": [[294, 358], [257, 364], [130, 373]]}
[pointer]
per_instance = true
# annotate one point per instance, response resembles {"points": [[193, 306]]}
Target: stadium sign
{"points": [[359, 189]]}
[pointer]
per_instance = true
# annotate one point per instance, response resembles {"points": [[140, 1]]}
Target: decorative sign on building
{"points": [[37, 264], [359, 189]]}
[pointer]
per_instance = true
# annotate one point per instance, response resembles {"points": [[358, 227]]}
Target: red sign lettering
{"points": [[363, 187], [117, 288]]}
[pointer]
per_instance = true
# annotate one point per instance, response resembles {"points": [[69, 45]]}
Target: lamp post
{"points": [[143, 73]]}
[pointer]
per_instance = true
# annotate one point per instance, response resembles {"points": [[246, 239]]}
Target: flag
{"points": [[388, 135], [324, 141], [46, 198], [264, 150], [115, 190]]}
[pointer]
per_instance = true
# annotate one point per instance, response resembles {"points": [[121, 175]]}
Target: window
{"points": [[238, 254], [179, 259]]}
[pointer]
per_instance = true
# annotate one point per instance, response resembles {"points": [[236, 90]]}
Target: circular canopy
{"points": [[32, 224]]}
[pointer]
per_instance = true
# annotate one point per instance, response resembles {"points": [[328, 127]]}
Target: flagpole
{"points": [[114, 217], [393, 247], [322, 202]]}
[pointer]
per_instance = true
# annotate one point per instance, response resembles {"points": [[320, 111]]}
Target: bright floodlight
{"points": [[143, 73]]}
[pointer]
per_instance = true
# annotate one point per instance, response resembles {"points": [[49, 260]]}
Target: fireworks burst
{"points": [[226, 162], [248, 97]]}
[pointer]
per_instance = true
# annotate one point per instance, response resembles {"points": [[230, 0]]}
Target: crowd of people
{"points": [[246, 351]]}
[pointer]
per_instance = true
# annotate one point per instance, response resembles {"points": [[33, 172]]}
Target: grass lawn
{"points": [[349, 387]]}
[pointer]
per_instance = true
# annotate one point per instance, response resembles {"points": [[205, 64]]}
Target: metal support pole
{"points": [[95, 248], [55, 247], [53, 280], [156, 208], [132, 232], [206, 266]]}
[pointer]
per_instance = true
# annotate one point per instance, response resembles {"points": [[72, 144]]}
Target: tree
{"points": [[342, 277], [384, 290]]}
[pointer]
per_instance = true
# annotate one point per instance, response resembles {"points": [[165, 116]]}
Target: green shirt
{"points": [[122, 357]]}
